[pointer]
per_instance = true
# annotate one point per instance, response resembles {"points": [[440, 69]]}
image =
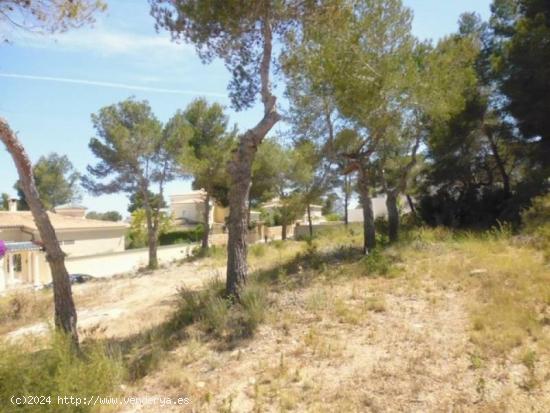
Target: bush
{"points": [[25, 306], [57, 371], [381, 225], [254, 303], [536, 222], [378, 264], [333, 217], [216, 314], [311, 257], [181, 237]]}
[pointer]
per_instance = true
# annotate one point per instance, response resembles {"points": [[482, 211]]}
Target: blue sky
{"points": [[50, 85]]}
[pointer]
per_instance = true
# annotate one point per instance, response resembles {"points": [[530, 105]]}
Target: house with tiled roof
{"points": [[25, 261]]}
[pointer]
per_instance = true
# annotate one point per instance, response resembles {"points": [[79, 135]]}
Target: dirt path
{"points": [[124, 305]]}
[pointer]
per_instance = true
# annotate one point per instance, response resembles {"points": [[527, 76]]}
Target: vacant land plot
{"points": [[439, 322]]}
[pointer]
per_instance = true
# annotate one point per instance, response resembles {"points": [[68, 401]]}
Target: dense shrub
{"points": [[379, 264], [56, 371], [333, 217], [479, 208], [536, 222], [216, 314], [180, 237]]}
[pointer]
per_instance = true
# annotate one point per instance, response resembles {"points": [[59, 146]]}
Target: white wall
{"points": [[90, 246], [379, 209], [106, 265], [303, 230], [192, 212]]}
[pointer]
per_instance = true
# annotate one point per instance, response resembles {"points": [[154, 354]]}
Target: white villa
{"points": [[25, 261], [188, 210]]}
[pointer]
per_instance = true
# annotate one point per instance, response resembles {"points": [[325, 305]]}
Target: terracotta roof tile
{"points": [[59, 222]]}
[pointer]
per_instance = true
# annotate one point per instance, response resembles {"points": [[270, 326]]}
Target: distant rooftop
{"points": [[70, 206], [60, 222]]}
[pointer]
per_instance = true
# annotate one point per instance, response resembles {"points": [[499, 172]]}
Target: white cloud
{"points": [[105, 42], [115, 85]]}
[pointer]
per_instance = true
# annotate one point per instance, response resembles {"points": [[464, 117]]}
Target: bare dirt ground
{"points": [[125, 305]]}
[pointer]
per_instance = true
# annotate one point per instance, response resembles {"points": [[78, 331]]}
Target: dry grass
{"points": [[24, 307], [507, 286], [439, 322]]}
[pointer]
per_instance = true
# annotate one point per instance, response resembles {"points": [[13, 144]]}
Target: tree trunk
{"points": [[346, 200], [65, 312], [500, 164], [240, 172], [309, 223], [206, 222], [369, 233], [152, 228], [411, 204], [237, 249], [393, 216], [283, 231], [153, 245]]}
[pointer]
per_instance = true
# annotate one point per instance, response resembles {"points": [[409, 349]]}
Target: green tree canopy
{"points": [[136, 201], [56, 179], [113, 216], [4, 204], [206, 146], [135, 155], [522, 28]]}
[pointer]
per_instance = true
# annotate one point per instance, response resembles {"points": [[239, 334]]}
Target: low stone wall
{"points": [[221, 239], [301, 231], [109, 264], [276, 233]]}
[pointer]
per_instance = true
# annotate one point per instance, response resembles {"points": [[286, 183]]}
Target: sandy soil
{"points": [[124, 305]]}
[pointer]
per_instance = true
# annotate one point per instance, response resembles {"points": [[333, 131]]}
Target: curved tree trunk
{"points": [[237, 249], [369, 233], [393, 216], [240, 172], [65, 312], [206, 233], [283, 231]]}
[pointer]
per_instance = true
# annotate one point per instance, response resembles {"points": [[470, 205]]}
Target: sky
{"points": [[50, 85]]}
